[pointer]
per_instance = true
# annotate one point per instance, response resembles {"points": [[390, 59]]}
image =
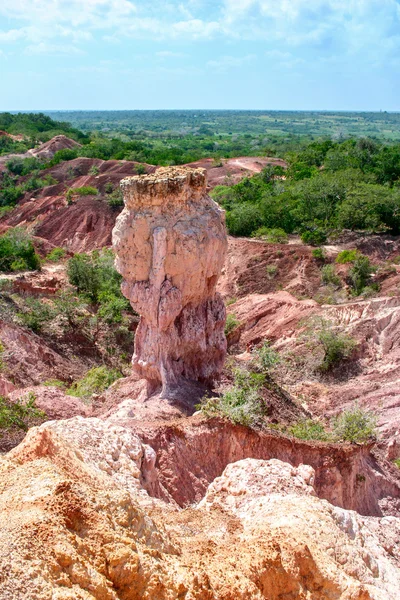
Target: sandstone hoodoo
{"points": [[170, 242]]}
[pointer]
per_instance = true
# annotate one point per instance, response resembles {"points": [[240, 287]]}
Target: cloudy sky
{"points": [[250, 54]]}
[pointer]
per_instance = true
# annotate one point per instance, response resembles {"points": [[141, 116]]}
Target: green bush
{"points": [[243, 220], [36, 314], [266, 357], [336, 345], [86, 190], [346, 256], [231, 323], [273, 236], [140, 169], [308, 429], [271, 271], [94, 170], [17, 251], [314, 237], [115, 199], [355, 425], [24, 166], [319, 254], [397, 462], [329, 276], [56, 255], [242, 404], [18, 414], [360, 274], [95, 381], [55, 383]]}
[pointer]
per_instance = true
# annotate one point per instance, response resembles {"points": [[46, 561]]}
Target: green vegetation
{"points": [[325, 339], [86, 190], [329, 277], [358, 192], [242, 403], [346, 256], [94, 170], [17, 252], [266, 358], [355, 425], [336, 345], [360, 274], [95, 381], [231, 323], [319, 254], [115, 198], [18, 414], [35, 314], [397, 462], [308, 429], [273, 236], [271, 271], [56, 255], [55, 383]]}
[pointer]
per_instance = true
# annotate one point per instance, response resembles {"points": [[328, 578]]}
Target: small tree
{"points": [[360, 274], [355, 425]]}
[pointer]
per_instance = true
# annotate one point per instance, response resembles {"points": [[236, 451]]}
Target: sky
{"points": [[215, 54]]}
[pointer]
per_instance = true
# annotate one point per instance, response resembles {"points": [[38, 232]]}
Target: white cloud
{"points": [[53, 49], [370, 28], [169, 54], [228, 62]]}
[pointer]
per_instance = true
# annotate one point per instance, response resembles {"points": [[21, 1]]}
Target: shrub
{"points": [[271, 271], [329, 276], [308, 429], [56, 255], [115, 198], [336, 345], [94, 273], [36, 314], [20, 166], [19, 413], [273, 236], [355, 425], [243, 219], [319, 254], [314, 237], [94, 170], [266, 357], [109, 187], [360, 274], [231, 323], [397, 462], [346, 256], [95, 381], [86, 190], [111, 307], [55, 383], [230, 301], [242, 404], [17, 251], [140, 169]]}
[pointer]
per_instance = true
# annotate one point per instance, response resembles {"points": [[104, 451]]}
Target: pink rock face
{"points": [[170, 242]]}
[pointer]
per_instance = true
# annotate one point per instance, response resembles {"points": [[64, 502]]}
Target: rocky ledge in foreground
{"points": [[77, 524]]}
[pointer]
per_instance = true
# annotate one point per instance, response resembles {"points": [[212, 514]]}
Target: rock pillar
{"points": [[170, 243]]}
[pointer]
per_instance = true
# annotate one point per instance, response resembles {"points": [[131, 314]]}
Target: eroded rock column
{"points": [[170, 242]]}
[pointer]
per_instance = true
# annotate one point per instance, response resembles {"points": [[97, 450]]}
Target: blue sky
{"points": [[249, 54]]}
